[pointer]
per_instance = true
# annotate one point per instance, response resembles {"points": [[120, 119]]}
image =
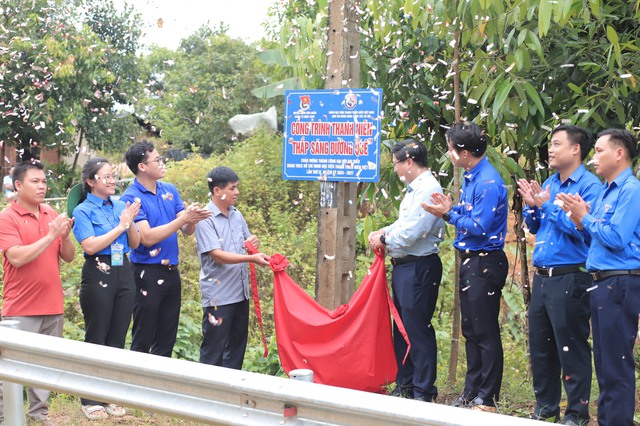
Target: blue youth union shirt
{"points": [[157, 209], [613, 225], [481, 216], [96, 216], [558, 241]]}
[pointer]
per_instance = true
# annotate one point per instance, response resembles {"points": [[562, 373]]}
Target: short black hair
{"points": [[578, 136], [220, 177], [137, 154], [410, 148], [624, 139], [467, 136], [21, 169]]}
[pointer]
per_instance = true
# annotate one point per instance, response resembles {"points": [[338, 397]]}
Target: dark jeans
{"points": [[559, 314], [107, 303], [224, 344], [482, 278], [415, 292], [157, 309], [615, 306]]}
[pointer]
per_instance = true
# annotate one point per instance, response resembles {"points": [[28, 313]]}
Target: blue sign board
{"points": [[332, 135]]}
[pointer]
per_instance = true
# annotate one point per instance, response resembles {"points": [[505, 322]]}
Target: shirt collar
{"points": [[422, 176], [622, 177], [97, 200], [575, 176], [143, 189], [24, 212], [471, 174], [216, 211]]}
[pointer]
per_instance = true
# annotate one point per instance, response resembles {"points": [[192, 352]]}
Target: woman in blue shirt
{"points": [[104, 228]]}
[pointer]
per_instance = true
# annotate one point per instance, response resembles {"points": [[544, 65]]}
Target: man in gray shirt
{"points": [[224, 280]]}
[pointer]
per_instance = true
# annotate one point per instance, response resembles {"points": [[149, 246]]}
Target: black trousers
{"points": [[415, 288], [224, 344], [482, 278], [157, 309], [559, 314], [615, 306], [106, 299]]}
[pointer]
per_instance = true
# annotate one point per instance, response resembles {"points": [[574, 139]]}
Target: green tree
{"points": [[32, 52], [107, 81], [60, 77], [193, 92]]}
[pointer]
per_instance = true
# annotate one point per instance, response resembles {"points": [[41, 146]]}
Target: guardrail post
{"points": [[302, 374], [13, 392]]}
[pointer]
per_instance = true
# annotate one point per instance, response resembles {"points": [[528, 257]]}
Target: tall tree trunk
{"points": [[521, 242], [75, 158], [455, 326]]}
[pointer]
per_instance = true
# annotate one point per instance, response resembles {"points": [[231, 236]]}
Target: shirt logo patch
{"points": [[607, 207], [167, 196]]}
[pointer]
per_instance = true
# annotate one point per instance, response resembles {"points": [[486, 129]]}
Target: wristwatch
{"points": [[446, 216], [383, 239]]}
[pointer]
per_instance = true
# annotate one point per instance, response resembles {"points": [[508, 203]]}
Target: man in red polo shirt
{"points": [[33, 238]]}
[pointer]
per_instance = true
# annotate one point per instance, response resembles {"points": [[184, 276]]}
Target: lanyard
{"points": [[109, 219]]}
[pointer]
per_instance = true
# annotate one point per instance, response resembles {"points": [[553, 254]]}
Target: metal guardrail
{"points": [[206, 393]]}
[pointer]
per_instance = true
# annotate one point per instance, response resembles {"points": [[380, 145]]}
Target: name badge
{"points": [[117, 254]]}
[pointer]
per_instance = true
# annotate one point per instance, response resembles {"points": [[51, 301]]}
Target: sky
{"points": [[180, 18]]}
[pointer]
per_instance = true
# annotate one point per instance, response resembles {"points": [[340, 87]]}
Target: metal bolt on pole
{"points": [[12, 398]]}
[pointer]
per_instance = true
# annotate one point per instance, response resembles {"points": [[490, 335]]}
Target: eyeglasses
{"points": [[397, 162], [107, 177], [156, 160]]}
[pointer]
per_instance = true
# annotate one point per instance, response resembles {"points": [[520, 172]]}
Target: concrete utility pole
{"points": [[338, 200]]}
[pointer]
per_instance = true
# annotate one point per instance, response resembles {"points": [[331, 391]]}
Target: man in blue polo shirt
{"points": [[613, 225], [559, 309], [480, 220], [155, 262]]}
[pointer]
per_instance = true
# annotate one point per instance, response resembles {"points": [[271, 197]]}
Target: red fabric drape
{"points": [[350, 347]]}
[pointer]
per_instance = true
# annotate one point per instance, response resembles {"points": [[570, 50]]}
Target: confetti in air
{"points": [[103, 267], [214, 321]]}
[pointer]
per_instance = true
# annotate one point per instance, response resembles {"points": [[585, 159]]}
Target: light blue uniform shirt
{"points": [[416, 232], [558, 242], [614, 225], [96, 216], [221, 283], [481, 216]]}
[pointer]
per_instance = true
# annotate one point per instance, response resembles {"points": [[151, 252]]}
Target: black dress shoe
{"points": [[426, 398], [403, 392]]}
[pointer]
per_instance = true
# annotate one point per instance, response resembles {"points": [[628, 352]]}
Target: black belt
{"points": [[395, 261], [157, 266], [560, 270], [601, 275], [468, 254]]}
